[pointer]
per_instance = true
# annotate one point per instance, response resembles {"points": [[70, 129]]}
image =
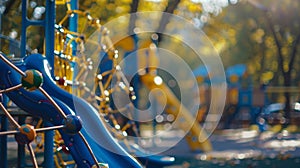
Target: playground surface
{"points": [[232, 148], [241, 148]]}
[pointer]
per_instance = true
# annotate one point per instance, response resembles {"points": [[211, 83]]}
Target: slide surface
{"points": [[90, 114], [102, 143], [198, 138]]}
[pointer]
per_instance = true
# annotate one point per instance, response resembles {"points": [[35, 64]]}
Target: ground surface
{"points": [[232, 148]]}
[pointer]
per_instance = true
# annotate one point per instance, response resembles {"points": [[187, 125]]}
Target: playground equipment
{"points": [[147, 79], [103, 79], [195, 138], [66, 58], [246, 105], [71, 63], [202, 76], [109, 65], [244, 102], [32, 80], [70, 56], [242, 99], [63, 57], [58, 113], [80, 109], [104, 46], [234, 96]]}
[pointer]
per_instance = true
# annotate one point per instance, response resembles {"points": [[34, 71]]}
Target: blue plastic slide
{"points": [[89, 115], [35, 103]]}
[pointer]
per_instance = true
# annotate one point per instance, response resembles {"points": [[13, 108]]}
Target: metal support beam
{"points": [[49, 33]]}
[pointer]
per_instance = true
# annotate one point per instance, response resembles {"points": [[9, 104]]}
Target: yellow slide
{"points": [[185, 120]]}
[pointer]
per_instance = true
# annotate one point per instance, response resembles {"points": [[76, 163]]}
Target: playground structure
{"points": [[240, 96], [63, 57], [246, 104], [65, 53], [49, 162], [70, 140]]}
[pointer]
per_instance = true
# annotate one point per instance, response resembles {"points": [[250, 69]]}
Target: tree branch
{"points": [[265, 10], [133, 9], [172, 5], [294, 52], [277, 42]]}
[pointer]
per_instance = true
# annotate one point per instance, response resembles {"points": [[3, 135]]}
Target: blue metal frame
{"points": [[48, 24], [73, 22], [21, 148], [49, 32], [3, 139], [4, 127], [73, 26], [48, 149]]}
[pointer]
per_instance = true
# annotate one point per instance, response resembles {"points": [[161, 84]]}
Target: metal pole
{"points": [[1, 3], [49, 33], [3, 141], [21, 148], [49, 38], [73, 22], [24, 27], [48, 151]]}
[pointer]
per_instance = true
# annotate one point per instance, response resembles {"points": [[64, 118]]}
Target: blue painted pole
{"points": [[49, 32], [0, 21], [73, 22], [48, 24], [49, 37], [3, 141], [24, 27], [21, 148], [73, 26], [48, 150]]}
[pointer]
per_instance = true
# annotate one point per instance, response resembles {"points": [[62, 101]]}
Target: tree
{"points": [[283, 24], [264, 35]]}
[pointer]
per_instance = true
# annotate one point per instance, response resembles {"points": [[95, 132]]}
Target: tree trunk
{"points": [[287, 109], [288, 79]]}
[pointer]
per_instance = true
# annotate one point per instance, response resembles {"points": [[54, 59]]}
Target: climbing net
{"points": [[99, 95]]}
